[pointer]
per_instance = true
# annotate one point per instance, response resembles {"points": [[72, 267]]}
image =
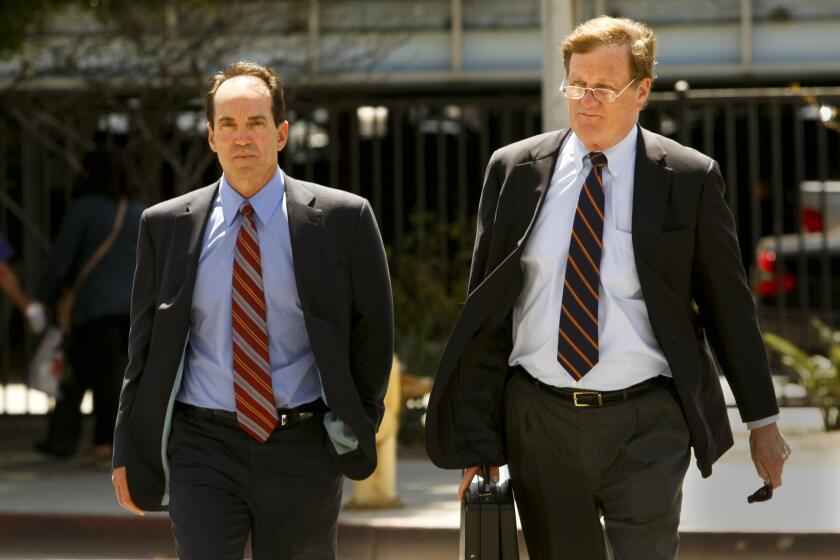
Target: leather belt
{"points": [[286, 417], [586, 399]]}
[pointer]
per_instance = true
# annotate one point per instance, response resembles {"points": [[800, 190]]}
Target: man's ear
{"points": [[282, 135], [211, 138], [643, 91]]}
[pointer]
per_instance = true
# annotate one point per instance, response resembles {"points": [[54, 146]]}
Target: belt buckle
{"points": [[284, 419], [576, 394]]}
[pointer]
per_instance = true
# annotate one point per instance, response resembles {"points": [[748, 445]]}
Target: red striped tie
{"points": [[255, 408]]}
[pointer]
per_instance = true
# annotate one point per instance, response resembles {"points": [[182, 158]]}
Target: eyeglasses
{"points": [[603, 95]]}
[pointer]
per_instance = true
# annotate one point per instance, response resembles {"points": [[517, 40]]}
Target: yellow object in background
{"points": [[379, 491]]}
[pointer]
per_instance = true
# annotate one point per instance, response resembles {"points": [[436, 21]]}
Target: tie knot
{"points": [[247, 210], [598, 159]]}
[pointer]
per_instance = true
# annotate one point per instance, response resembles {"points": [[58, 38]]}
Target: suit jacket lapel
{"points": [[523, 193], [651, 187], [190, 225], [306, 235], [536, 173]]}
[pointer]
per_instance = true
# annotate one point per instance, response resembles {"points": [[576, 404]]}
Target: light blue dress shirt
{"points": [[208, 370]]}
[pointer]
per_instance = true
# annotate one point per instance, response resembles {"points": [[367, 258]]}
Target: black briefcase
{"points": [[488, 522]]}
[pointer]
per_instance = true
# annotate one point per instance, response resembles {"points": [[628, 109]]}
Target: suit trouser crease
{"points": [[225, 486], [568, 465]]}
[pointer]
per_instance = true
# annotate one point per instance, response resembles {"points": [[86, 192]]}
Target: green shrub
{"points": [[429, 283], [819, 374]]}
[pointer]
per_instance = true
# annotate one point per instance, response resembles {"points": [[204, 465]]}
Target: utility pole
{"points": [[558, 20], [313, 55]]}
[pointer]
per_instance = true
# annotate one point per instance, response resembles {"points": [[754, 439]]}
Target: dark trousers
{"points": [[569, 465], [284, 493], [96, 351]]}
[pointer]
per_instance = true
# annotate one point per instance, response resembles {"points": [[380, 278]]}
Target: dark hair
{"points": [[246, 68]]}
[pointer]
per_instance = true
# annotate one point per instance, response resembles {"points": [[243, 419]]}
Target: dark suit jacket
{"points": [[692, 281], [342, 276]]}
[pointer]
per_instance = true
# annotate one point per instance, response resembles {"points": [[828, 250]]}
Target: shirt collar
{"points": [[264, 203], [621, 156], [617, 156]]}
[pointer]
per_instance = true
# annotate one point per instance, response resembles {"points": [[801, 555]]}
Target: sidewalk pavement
{"points": [[51, 509]]}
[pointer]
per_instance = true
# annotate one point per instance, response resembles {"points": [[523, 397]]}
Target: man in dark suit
{"points": [[605, 267], [260, 346]]}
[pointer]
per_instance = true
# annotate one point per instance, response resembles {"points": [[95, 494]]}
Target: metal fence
{"points": [[421, 160], [778, 151]]}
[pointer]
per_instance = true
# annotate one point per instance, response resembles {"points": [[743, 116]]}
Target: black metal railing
{"points": [[421, 160]]}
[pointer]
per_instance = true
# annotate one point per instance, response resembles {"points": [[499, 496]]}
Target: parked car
{"points": [[814, 216], [797, 275]]}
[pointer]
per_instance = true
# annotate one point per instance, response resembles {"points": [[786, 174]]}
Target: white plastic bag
{"points": [[47, 365]]}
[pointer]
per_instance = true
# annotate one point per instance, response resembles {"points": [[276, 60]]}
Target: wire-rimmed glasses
{"points": [[603, 95]]}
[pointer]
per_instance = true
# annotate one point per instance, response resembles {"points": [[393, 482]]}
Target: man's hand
{"points": [[769, 452], [469, 474], [123, 495]]}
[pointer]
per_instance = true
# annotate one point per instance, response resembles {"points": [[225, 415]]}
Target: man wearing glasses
{"points": [[605, 270]]}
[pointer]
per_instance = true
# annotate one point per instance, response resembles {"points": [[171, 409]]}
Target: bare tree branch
{"points": [[146, 63]]}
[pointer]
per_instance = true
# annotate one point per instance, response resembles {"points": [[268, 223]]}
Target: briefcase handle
{"points": [[487, 484], [487, 489], [485, 473]]}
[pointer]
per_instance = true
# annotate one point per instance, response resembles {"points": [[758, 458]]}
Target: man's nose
{"points": [[243, 136], [589, 97]]}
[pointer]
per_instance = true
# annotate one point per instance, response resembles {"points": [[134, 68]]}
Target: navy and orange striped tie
{"points": [[255, 408], [577, 347]]}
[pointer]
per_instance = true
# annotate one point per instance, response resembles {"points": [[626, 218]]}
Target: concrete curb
{"points": [[27, 535]]}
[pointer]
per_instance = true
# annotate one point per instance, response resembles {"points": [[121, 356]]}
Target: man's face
{"points": [[243, 133], [601, 125]]}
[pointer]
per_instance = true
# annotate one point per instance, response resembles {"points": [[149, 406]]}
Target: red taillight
{"points": [[769, 283], [766, 261], [772, 287], [812, 220]]}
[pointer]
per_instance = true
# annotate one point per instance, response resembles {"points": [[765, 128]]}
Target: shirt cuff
{"points": [[755, 424]]}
